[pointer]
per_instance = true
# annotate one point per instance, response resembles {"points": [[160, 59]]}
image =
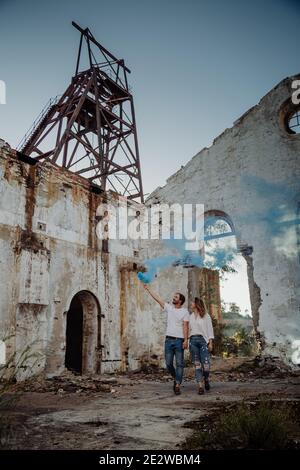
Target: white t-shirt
{"points": [[201, 326], [176, 317]]}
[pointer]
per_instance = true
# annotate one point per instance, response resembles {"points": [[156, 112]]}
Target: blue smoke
{"points": [[218, 258], [283, 199], [281, 215], [152, 266]]}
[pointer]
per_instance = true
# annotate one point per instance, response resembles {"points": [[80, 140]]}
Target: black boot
{"points": [[206, 384]]}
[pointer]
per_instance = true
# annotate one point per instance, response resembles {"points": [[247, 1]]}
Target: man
{"points": [[176, 336]]}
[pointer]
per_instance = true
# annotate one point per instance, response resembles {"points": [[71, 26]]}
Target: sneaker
{"points": [[206, 384], [177, 389]]}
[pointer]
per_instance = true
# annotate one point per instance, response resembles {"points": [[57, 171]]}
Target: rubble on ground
{"points": [[233, 369], [69, 383]]}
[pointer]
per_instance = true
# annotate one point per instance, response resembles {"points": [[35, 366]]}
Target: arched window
{"points": [[293, 123]]}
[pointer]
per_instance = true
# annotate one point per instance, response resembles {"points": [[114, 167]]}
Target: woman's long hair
{"points": [[200, 307]]}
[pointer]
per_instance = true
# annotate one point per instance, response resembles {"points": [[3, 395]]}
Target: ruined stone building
{"points": [[77, 302], [53, 264], [250, 178]]}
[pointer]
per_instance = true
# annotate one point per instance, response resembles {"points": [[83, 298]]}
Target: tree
{"points": [[234, 308]]}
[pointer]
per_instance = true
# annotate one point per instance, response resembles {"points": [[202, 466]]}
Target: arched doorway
{"points": [[230, 261], [74, 336], [83, 348]]}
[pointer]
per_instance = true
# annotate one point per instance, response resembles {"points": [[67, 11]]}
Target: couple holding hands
{"points": [[183, 327]]}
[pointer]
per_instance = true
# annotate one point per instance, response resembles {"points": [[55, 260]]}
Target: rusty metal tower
{"points": [[91, 128]]}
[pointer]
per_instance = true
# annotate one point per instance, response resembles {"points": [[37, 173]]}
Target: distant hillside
{"points": [[234, 316], [233, 321]]}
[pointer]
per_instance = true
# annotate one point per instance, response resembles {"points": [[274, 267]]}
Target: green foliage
{"points": [[233, 313], [245, 342], [240, 343], [266, 426], [226, 269]]}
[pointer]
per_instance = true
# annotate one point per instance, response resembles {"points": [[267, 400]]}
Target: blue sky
{"points": [[196, 65]]}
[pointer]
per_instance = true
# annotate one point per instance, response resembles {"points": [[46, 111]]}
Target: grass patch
{"points": [[263, 425]]}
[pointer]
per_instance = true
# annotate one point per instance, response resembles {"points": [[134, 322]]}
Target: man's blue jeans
{"points": [[174, 347], [200, 357]]}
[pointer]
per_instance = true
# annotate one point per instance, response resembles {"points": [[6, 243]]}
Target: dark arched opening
{"points": [[83, 334], [74, 336]]}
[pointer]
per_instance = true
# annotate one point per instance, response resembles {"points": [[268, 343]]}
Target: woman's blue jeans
{"points": [[174, 347], [200, 357]]}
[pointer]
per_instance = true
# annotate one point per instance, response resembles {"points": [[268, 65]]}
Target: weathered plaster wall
{"points": [[143, 322], [257, 146], [49, 253]]}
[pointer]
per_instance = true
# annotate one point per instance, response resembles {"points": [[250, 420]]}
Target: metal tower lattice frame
{"points": [[91, 129]]}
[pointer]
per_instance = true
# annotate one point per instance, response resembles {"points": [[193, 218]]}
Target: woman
{"points": [[201, 342]]}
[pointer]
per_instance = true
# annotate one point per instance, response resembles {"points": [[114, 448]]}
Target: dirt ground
{"points": [[136, 410]]}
